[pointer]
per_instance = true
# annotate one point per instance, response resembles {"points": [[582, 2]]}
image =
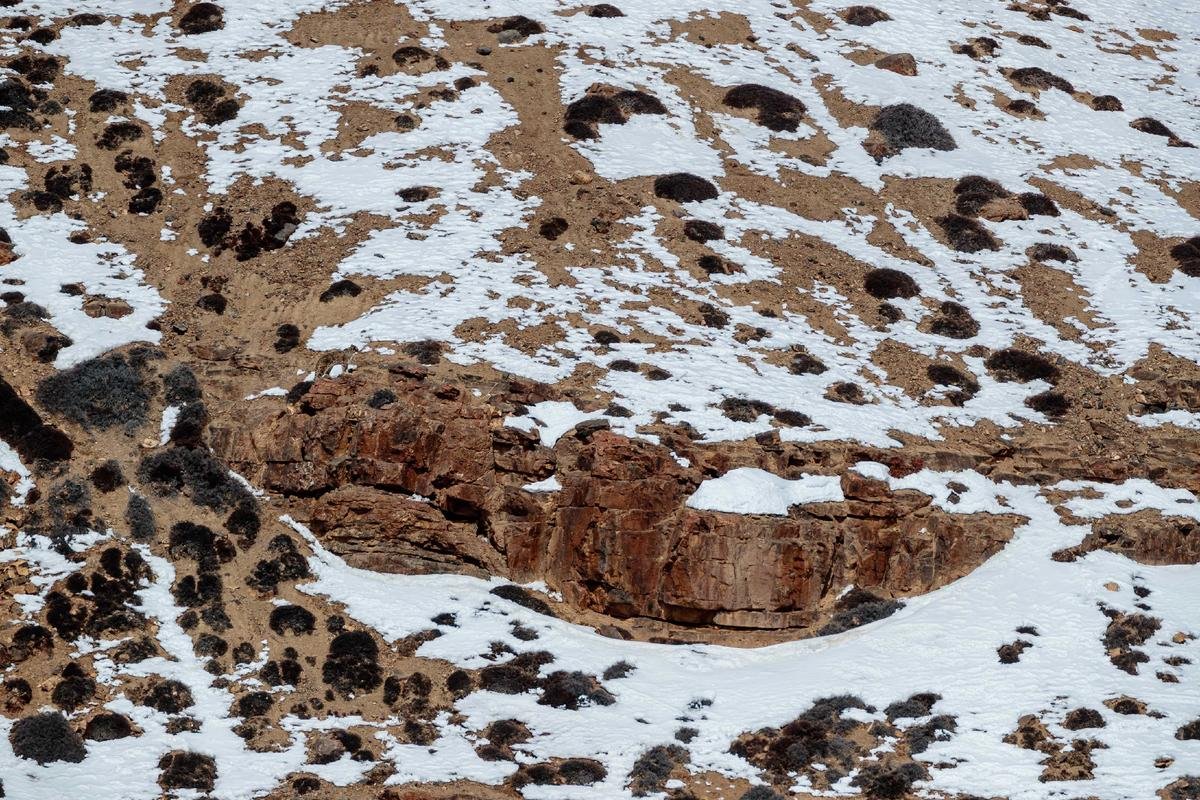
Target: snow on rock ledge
{"points": [[748, 490]]}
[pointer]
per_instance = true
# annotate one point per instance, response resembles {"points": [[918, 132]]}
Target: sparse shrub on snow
{"points": [[904, 125], [46, 738], [967, 235], [683, 187], [886, 284], [1011, 364]]}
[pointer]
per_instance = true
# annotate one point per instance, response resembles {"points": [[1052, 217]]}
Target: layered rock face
{"points": [[433, 481]]}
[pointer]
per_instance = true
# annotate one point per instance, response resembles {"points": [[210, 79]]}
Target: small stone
{"points": [[483, 51], [508, 36], [1112, 587], [899, 63], [579, 177]]}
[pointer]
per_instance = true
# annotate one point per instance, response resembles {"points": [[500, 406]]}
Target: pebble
{"points": [[483, 51]]}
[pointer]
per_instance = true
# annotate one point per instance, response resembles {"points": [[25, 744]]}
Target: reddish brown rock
{"points": [[899, 63], [617, 538]]}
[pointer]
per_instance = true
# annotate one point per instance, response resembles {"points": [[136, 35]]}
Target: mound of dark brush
{"points": [[613, 108], [856, 608], [953, 320], [903, 125], [777, 110], [352, 664], [46, 738], [967, 235], [102, 393], [1187, 256], [195, 471], [653, 768], [1012, 364], [887, 284], [683, 187], [818, 736]]}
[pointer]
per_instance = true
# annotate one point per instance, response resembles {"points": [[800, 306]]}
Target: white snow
{"points": [[747, 490]]}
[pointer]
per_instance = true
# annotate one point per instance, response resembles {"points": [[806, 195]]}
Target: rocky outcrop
{"points": [[432, 481]]}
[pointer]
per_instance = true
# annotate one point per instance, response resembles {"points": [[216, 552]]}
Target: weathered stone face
{"points": [[617, 538]]}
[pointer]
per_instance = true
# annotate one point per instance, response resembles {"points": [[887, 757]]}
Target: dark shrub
{"points": [[190, 424], [106, 100], [954, 321], [168, 696], [886, 284], [889, 782], [244, 520], [740, 409], [699, 230], [185, 770], [1011, 364], [1052, 252], [25, 432], [72, 692], [146, 201], [605, 10], [101, 393], [523, 597], [351, 664], [46, 738], [653, 768], [790, 418], [381, 398], [200, 544], [918, 705], [572, 690], [846, 392], [777, 110], [1039, 79], [108, 477], [863, 16], [1107, 102], [1081, 718], [1152, 126], [581, 771], [1052, 404], [292, 619], [255, 704], [522, 25], [868, 612], [947, 375], [553, 228], [967, 235], [140, 518], [206, 480], [287, 338], [119, 133], [107, 727], [425, 351], [618, 670], [1187, 256], [202, 18], [1189, 731], [212, 302], [683, 187], [214, 227], [1038, 204], [805, 364], [904, 125], [761, 793], [1011, 653]]}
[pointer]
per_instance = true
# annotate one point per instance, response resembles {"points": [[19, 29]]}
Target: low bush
{"points": [[573, 690], [1011, 364], [1052, 252], [863, 16], [886, 284], [1187, 256], [287, 338], [168, 696], [101, 393], [140, 519], [46, 738], [523, 597], [699, 230], [777, 110], [904, 125], [1107, 102], [870, 611], [967, 235], [108, 726], [683, 187], [653, 768], [295, 620], [1052, 404], [1037, 204], [1081, 718], [195, 471], [605, 10], [953, 320], [202, 18], [352, 664], [185, 770]]}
